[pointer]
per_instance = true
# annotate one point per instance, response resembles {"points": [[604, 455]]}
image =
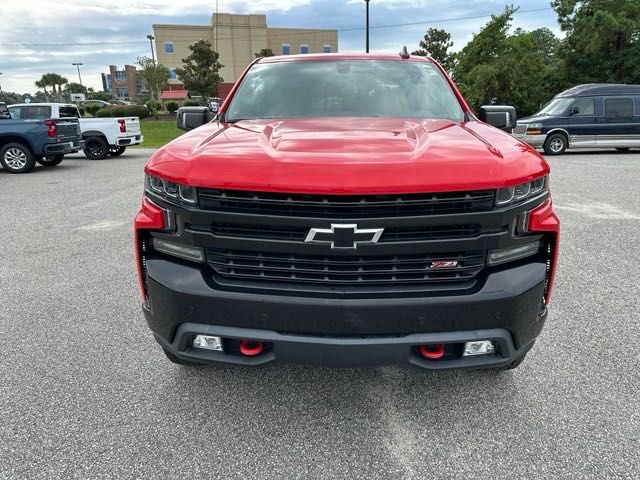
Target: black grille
{"points": [[298, 233], [346, 206], [344, 270]]}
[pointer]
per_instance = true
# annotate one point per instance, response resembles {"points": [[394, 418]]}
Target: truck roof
{"points": [[592, 89], [314, 57], [43, 104]]}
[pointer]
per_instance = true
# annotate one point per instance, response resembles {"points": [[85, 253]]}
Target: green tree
{"points": [[201, 72], [155, 75], [602, 40], [104, 96], [497, 67], [265, 52], [74, 87], [92, 108], [436, 44]]}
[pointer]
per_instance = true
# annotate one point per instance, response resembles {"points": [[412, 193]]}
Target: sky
{"points": [[40, 36]]}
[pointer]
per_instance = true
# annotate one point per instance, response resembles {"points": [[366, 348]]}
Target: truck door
{"points": [[582, 122]]}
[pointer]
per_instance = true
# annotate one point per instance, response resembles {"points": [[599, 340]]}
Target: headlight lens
{"points": [[521, 193], [171, 191]]}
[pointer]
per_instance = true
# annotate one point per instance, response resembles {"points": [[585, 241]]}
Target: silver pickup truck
{"points": [[102, 136]]}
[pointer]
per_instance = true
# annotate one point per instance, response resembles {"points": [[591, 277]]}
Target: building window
{"points": [[121, 76], [286, 49], [168, 47], [172, 74], [122, 93], [304, 49], [326, 49]]}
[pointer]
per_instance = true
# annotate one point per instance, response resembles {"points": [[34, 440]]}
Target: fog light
{"points": [[208, 343], [510, 254], [483, 347], [187, 252]]}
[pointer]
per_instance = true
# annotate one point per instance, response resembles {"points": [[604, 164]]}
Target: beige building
{"points": [[238, 38]]}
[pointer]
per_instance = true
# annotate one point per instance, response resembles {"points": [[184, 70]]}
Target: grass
{"points": [[158, 132]]}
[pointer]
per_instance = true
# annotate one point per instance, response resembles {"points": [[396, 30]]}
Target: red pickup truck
{"points": [[347, 210]]}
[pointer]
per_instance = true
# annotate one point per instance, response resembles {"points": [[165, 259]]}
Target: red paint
{"points": [[433, 351], [543, 219], [251, 348], [150, 216]]}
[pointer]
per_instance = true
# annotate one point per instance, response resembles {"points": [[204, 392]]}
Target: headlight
{"points": [[534, 126], [521, 193], [171, 191]]}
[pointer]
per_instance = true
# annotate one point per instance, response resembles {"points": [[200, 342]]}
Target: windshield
{"points": [[358, 88], [557, 106]]}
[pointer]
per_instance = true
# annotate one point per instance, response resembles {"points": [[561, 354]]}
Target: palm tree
{"points": [[43, 83]]}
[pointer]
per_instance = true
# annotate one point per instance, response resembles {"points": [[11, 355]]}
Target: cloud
{"points": [[102, 33]]}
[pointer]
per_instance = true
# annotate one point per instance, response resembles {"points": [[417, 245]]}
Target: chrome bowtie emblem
{"points": [[344, 236]]}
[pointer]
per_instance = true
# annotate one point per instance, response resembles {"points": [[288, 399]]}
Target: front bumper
{"points": [[63, 148], [345, 332], [536, 141]]}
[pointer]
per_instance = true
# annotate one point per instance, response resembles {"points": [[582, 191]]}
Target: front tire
{"points": [[116, 151], [17, 158], [556, 144], [50, 161], [96, 148]]}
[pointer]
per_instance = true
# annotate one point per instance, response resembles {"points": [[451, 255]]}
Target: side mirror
{"points": [[189, 118], [499, 116]]}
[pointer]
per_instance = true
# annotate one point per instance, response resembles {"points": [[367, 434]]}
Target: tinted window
{"points": [[4, 112], [583, 107], [344, 88], [68, 112], [36, 112], [16, 112], [618, 108]]}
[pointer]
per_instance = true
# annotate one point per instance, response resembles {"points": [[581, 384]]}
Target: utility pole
{"points": [[153, 55], [77, 65], [367, 27]]}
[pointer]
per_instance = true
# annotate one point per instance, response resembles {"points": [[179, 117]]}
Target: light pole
{"points": [[153, 55], [367, 27], [77, 65]]}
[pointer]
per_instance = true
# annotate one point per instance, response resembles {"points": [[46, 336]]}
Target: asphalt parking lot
{"points": [[86, 393]]}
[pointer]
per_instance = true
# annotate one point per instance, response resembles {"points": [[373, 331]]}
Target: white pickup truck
{"points": [[102, 136]]}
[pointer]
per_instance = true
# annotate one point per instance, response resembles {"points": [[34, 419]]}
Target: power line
{"points": [[287, 35]]}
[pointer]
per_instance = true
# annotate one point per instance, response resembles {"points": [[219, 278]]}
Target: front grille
{"points": [[298, 233], [344, 270], [346, 206]]}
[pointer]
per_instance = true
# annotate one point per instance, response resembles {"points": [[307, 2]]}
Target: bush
{"points": [[92, 109], [124, 111], [191, 103], [154, 106], [172, 107]]}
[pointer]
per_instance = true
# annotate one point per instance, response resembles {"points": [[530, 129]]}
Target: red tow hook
{"points": [[432, 351], [251, 348]]}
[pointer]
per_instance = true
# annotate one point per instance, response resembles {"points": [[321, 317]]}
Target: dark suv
{"points": [[587, 116]]}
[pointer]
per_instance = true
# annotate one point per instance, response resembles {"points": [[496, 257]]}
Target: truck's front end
{"points": [[348, 223]]}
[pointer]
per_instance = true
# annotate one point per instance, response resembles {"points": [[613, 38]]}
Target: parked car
{"points": [[102, 136], [586, 116], [23, 142], [102, 103], [347, 210]]}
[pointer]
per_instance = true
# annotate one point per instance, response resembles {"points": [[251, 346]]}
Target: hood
{"points": [[348, 155], [534, 119]]}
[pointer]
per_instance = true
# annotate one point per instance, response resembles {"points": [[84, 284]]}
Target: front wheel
{"points": [[556, 144], [96, 148], [17, 158], [50, 161], [116, 151]]}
